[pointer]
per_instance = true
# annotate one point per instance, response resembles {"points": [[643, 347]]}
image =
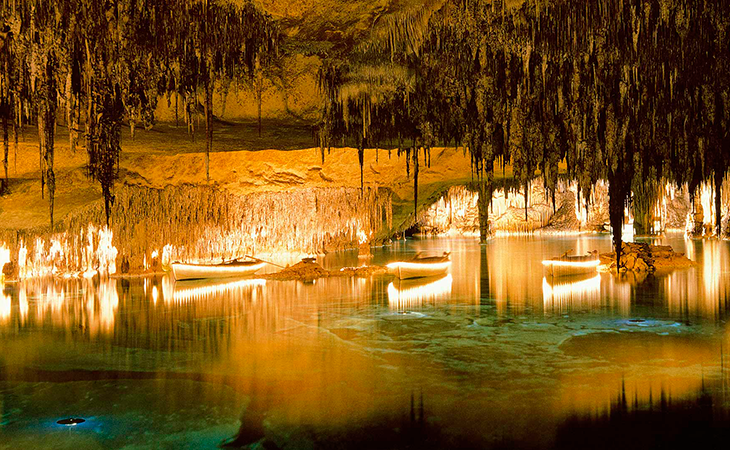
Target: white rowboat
{"points": [[231, 269], [420, 267]]}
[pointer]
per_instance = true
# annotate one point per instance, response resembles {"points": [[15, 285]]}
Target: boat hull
{"points": [[201, 271], [408, 269]]}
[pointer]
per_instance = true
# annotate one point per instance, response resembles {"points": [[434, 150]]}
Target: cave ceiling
{"points": [[339, 24]]}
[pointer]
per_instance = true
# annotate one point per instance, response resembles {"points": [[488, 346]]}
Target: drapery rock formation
{"points": [[198, 223]]}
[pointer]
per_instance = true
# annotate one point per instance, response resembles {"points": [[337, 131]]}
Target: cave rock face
{"points": [[457, 212]]}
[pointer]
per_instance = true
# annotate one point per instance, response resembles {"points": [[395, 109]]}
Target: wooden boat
{"points": [[418, 267], [571, 265], [227, 269]]}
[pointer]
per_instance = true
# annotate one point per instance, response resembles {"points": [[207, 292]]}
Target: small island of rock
{"points": [[644, 258]]}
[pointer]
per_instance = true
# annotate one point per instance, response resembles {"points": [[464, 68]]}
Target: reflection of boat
{"points": [[571, 265], [568, 280], [571, 292], [200, 289], [418, 267], [228, 269], [409, 293]]}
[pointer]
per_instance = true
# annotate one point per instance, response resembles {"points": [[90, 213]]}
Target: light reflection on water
{"points": [[404, 294], [572, 294], [492, 342]]}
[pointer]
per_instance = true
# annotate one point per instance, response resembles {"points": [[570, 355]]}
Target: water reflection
{"points": [[515, 283], [701, 291], [698, 419], [405, 294], [493, 342], [646, 356], [516, 271], [185, 291], [85, 305], [5, 307], [566, 294]]}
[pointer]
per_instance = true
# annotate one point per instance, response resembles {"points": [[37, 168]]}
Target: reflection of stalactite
{"points": [[89, 305], [665, 415]]}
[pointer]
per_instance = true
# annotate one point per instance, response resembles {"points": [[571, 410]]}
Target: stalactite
{"points": [[71, 121], [617, 198], [527, 187], [208, 122], [361, 161], [16, 133], [485, 198], [190, 113], [225, 89], [7, 105], [6, 149], [485, 208], [719, 177], [415, 182], [50, 100], [41, 118]]}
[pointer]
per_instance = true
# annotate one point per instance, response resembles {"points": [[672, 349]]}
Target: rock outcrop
{"points": [[639, 257], [10, 270], [308, 270]]}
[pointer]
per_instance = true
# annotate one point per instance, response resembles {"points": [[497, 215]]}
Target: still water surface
{"points": [[492, 354]]}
